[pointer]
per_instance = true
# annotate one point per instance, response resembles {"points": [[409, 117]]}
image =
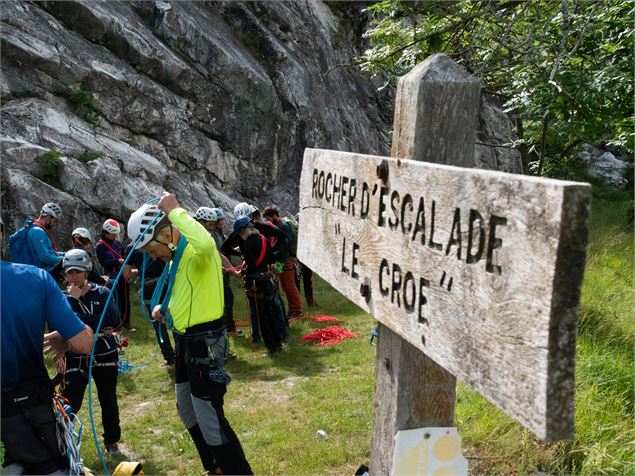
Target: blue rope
{"points": [[92, 352], [176, 259], [145, 264]]}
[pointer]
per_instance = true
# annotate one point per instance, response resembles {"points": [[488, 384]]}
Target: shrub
{"points": [[88, 155], [50, 167], [83, 104]]}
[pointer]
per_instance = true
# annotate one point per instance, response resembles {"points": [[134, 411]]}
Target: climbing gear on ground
{"points": [[329, 336], [128, 468]]}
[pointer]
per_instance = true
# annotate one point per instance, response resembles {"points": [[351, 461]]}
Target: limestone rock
{"points": [[604, 164], [215, 101]]}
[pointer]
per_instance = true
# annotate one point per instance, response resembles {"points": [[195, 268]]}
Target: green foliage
{"points": [[564, 68], [49, 168], [88, 155], [83, 104]]}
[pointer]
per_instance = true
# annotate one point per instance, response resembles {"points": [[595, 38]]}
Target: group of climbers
{"points": [[194, 299]]}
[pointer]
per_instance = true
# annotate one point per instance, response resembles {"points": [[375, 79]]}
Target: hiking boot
{"points": [[168, 365], [113, 450]]}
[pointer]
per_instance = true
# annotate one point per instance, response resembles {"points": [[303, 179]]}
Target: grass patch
{"points": [[83, 104], [277, 405], [49, 168]]}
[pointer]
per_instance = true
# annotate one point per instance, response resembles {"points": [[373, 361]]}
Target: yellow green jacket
{"points": [[197, 293]]}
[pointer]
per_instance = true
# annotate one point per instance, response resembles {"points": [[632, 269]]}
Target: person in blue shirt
{"points": [[40, 249], [88, 300], [30, 301]]}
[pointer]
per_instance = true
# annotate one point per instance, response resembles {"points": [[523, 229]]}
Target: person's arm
{"points": [[80, 343], [195, 233], [95, 277], [269, 230], [41, 245], [228, 248], [197, 236]]}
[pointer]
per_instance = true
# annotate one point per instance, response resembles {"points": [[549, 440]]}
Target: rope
{"points": [[68, 437], [92, 352], [318, 318], [329, 336]]}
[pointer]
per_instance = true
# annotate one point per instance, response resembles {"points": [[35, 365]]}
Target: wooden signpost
{"points": [[472, 274]]}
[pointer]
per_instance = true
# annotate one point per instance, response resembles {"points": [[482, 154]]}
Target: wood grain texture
{"points": [[411, 391], [435, 115], [508, 333]]}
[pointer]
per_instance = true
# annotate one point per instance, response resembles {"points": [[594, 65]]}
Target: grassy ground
{"points": [[277, 405]]}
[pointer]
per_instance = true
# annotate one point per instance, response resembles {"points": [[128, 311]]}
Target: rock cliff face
{"points": [[215, 101]]}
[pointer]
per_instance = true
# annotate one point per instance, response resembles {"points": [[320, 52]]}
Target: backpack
{"points": [[19, 246], [293, 225]]}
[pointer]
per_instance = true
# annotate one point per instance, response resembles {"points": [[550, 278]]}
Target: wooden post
{"points": [[472, 273], [435, 121]]}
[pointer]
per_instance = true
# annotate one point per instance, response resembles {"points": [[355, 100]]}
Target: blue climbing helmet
{"points": [[241, 223]]}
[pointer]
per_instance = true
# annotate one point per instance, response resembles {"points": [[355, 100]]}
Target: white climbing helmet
{"points": [[243, 209], [205, 213], [82, 232], [52, 209], [77, 259], [144, 222], [111, 226], [218, 214]]}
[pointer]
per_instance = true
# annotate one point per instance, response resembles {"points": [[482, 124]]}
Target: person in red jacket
{"points": [[110, 253]]}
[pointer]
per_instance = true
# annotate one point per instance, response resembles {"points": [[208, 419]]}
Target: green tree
{"points": [[563, 68]]}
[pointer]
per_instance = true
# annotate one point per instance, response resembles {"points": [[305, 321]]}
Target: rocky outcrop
{"points": [[610, 166], [215, 101]]}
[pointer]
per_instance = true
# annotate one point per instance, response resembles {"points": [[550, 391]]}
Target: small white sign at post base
{"points": [[428, 451]]}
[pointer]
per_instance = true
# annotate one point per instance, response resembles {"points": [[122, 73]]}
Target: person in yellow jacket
{"points": [[196, 305]]}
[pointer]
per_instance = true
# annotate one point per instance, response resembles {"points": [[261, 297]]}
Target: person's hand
{"points": [[105, 277], [75, 291], [55, 343], [121, 260], [168, 203], [156, 313], [60, 364]]}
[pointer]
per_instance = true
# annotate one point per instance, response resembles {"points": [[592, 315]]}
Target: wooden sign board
{"points": [[480, 270]]}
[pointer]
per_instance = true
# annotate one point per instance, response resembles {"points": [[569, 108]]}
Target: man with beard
{"points": [[33, 243]]}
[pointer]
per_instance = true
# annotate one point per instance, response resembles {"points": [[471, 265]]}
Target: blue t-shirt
{"points": [[45, 256], [29, 299]]}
